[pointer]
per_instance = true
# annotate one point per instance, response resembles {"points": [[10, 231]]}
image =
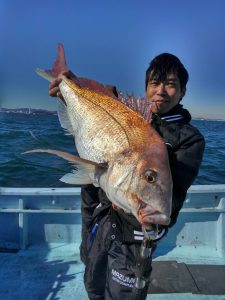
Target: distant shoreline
{"points": [[28, 111], [36, 111]]}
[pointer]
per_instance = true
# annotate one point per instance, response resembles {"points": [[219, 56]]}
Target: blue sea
{"points": [[22, 132]]}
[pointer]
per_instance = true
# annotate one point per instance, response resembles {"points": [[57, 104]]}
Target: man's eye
{"points": [[171, 83]]}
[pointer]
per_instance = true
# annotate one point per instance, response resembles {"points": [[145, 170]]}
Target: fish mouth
{"points": [[150, 219], [147, 216]]}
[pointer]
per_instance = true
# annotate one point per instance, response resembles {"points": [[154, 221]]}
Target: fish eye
{"points": [[150, 176]]}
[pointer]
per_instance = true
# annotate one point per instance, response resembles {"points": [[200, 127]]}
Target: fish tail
{"points": [[59, 66]]}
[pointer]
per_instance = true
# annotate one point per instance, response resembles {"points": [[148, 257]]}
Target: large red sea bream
{"points": [[118, 149]]}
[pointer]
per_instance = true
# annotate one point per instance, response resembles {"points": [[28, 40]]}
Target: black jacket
{"points": [[185, 146]]}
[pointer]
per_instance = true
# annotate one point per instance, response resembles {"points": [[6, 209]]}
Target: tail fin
{"points": [[59, 66]]}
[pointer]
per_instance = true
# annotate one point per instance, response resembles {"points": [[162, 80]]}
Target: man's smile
{"points": [[160, 100]]}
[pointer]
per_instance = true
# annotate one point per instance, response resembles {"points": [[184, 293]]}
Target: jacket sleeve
{"points": [[185, 161], [90, 200]]}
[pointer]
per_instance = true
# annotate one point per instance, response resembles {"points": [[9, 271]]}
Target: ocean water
{"points": [[22, 132]]}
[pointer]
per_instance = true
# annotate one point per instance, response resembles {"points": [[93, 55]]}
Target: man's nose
{"points": [[161, 89]]}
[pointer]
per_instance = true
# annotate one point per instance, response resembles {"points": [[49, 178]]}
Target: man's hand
{"points": [[54, 90], [85, 83]]}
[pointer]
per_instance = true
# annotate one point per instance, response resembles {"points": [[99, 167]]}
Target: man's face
{"points": [[164, 95]]}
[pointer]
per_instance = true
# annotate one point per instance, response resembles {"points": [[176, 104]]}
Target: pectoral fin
{"points": [[85, 172], [64, 118]]}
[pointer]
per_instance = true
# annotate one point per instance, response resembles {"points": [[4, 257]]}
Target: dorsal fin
{"points": [[141, 105]]}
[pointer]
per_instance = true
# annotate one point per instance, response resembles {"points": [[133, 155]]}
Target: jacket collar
{"points": [[175, 114]]}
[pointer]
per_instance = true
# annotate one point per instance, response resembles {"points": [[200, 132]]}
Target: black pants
{"points": [[110, 264]]}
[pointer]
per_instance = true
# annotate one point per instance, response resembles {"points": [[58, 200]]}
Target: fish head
{"points": [[140, 182], [154, 187]]}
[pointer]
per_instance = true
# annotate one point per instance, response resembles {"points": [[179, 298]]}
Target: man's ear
{"points": [[183, 92]]}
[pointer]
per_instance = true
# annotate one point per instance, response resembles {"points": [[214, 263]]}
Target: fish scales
{"points": [[125, 123], [90, 123]]}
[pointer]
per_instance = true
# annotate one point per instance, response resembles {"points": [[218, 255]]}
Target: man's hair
{"points": [[164, 64]]}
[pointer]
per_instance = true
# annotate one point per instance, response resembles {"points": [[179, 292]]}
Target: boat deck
{"points": [[40, 236], [56, 272]]}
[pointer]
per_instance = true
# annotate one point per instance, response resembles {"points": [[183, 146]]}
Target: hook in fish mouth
{"points": [[152, 234]]}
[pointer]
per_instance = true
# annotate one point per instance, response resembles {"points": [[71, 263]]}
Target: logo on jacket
{"points": [[122, 279]]}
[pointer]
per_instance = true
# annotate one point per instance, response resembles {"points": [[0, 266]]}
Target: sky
{"points": [[112, 41]]}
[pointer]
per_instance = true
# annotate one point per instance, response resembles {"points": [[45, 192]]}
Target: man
{"points": [[109, 248]]}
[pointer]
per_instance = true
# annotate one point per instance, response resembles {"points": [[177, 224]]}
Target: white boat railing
{"points": [[37, 215]]}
